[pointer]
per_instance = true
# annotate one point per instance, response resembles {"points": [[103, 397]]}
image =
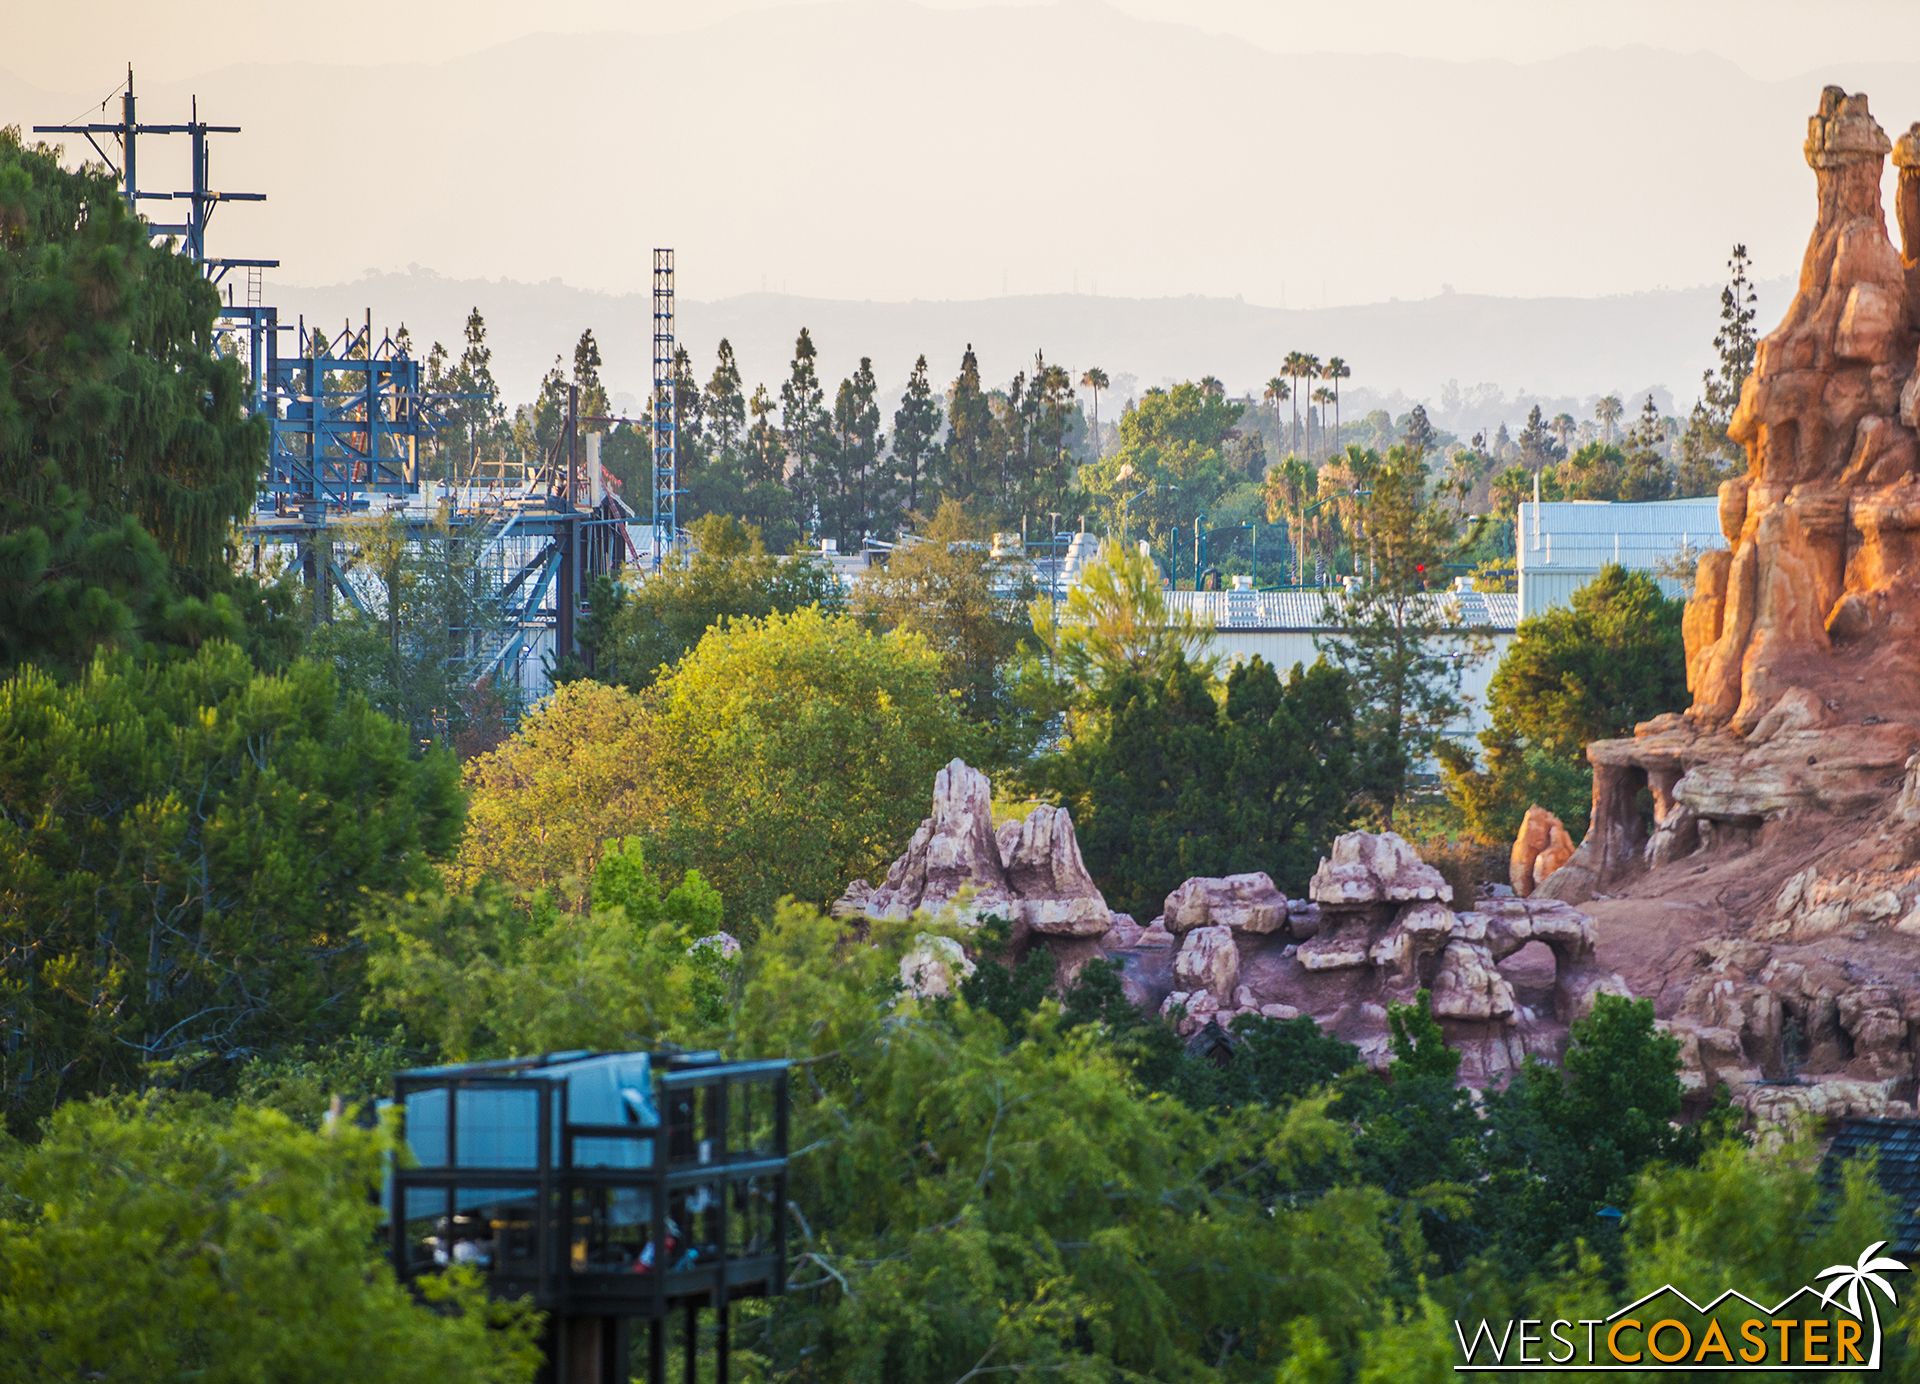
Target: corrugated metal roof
{"points": [[1306, 610]]}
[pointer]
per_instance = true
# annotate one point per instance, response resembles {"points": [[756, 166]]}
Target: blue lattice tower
{"points": [[665, 411]]}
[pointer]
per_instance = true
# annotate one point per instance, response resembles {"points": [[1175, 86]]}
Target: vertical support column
{"points": [[133, 129], [665, 411], [657, 1350], [567, 586]]}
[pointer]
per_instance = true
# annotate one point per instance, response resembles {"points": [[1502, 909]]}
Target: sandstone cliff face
{"points": [[1754, 863]]}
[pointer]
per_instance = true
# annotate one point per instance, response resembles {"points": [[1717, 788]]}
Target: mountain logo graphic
{"points": [[1835, 1327]]}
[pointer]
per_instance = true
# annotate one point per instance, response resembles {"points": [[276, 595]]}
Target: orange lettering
{"points": [[1613, 1347], [1715, 1340], [1752, 1330], [1786, 1336], [1814, 1333], [1653, 1341], [1845, 1335]]}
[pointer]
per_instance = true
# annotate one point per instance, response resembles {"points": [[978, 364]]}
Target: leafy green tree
{"points": [[593, 401], [124, 456], [543, 804], [1587, 671], [1565, 1142], [1117, 621], [182, 851], [1537, 445], [1165, 783], [916, 430], [948, 589], [1402, 649], [638, 629], [486, 973], [794, 754], [171, 1239], [1178, 440]]}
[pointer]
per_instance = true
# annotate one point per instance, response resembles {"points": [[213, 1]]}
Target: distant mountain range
{"points": [[1558, 349]]}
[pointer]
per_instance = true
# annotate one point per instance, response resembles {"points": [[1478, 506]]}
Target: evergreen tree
{"points": [[725, 403], [969, 425], [806, 429], [1707, 455], [1420, 433], [916, 428], [592, 397], [124, 456], [1537, 447], [857, 506], [479, 416], [1400, 647]]}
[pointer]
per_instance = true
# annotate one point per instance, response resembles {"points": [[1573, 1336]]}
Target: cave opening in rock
{"points": [[1531, 972]]}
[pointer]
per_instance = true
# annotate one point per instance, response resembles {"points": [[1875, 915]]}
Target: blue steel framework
{"points": [[349, 420], [201, 199]]}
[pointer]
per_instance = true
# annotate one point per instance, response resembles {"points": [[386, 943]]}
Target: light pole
{"points": [[1127, 504]]}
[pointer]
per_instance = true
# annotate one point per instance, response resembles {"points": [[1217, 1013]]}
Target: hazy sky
{"points": [[77, 45], [1295, 155]]}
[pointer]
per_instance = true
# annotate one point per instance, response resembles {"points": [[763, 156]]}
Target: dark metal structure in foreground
{"points": [[606, 1187]]}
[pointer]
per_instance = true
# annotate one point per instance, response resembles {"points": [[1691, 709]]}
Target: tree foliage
{"points": [[1587, 671], [1168, 782], [793, 754], [171, 1239], [124, 458], [639, 628], [183, 847]]}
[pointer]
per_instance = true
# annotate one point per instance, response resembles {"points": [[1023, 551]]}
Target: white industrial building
{"points": [[1564, 544], [1282, 627]]}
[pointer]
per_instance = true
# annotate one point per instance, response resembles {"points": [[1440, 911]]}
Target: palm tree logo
{"points": [[1850, 1277]]}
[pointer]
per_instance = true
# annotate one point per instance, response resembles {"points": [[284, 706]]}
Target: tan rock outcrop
{"points": [[1030, 871], [1209, 961], [1541, 847], [934, 967], [1245, 903]]}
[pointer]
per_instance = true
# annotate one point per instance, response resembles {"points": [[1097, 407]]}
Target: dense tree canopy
{"points": [[183, 848], [124, 458]]}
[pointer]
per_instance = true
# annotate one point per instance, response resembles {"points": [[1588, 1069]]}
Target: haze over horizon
{"points": [[884, 152]]}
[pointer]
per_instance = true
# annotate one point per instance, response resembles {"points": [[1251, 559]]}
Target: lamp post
{"points": [[1127, 504]]}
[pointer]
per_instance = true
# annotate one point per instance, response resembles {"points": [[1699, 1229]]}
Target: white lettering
{"points": [[1590, 1323], [1554, 1332], [1525, 1340], [1499, 1351]]}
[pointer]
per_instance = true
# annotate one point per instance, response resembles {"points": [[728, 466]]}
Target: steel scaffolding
{"points": [[666, 470]]}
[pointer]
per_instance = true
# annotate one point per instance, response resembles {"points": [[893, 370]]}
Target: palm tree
{"points": [[1096, 380], [1323, 397], [1295, 367], [1309, 366], [1211, 387], [1277, 394], [1335, 370], [1608, 412], [1563, 427], [1850, 1277]]}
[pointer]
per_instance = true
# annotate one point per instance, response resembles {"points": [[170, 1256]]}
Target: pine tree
{"points": [[805, 428], [916, 425], [1708, 455], [969, 423], [725, 403], [586, 378], [853, 511]]}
